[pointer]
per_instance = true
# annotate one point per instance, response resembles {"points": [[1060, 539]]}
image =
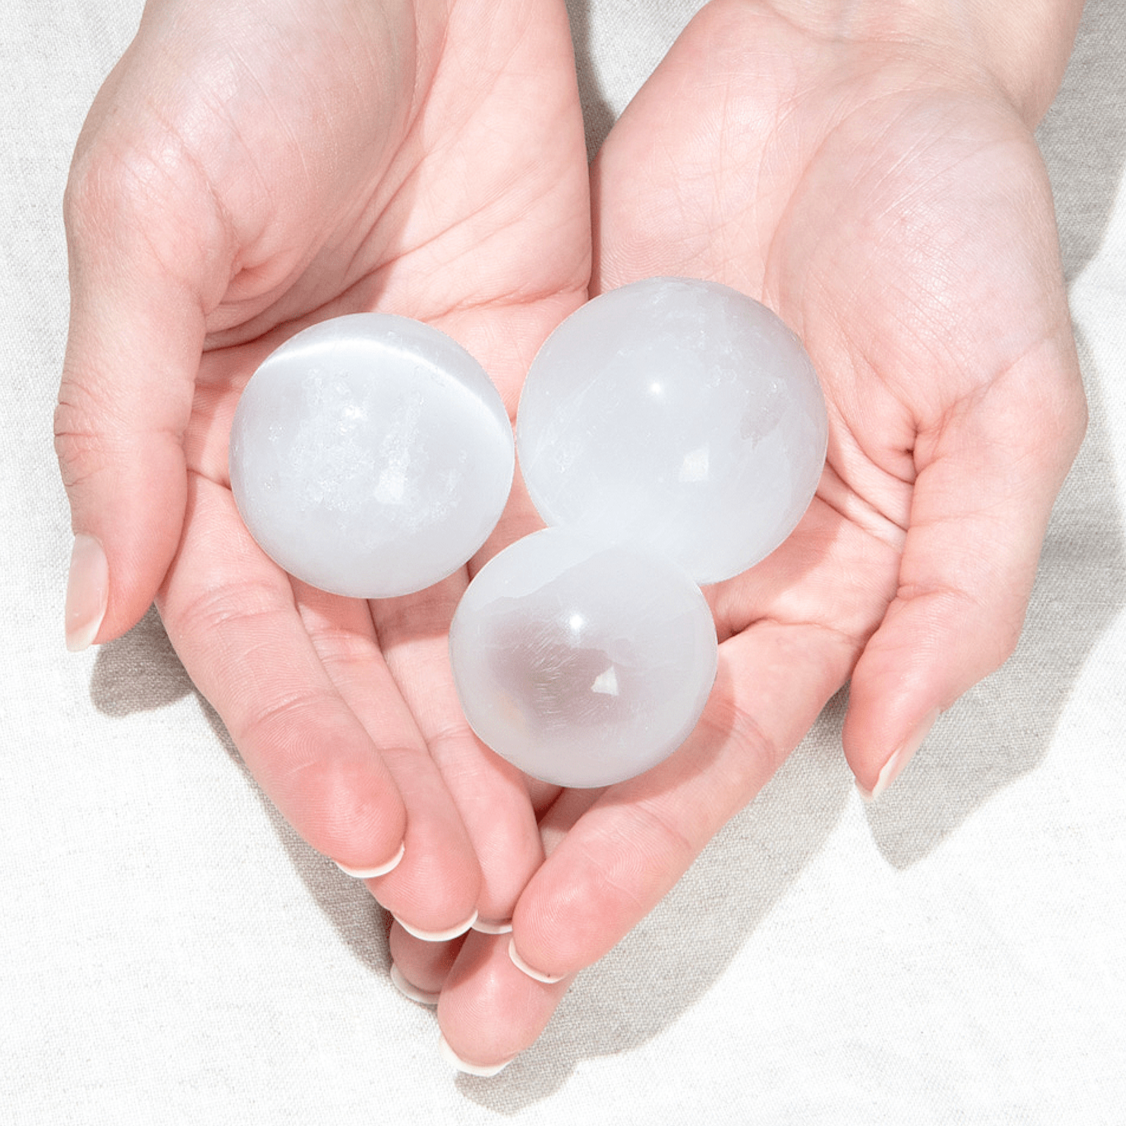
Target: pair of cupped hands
{"points": [[251, 168]]}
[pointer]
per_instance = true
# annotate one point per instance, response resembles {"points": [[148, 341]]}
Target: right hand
{"points": [[888, 201]]}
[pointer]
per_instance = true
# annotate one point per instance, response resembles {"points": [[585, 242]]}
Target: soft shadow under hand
{"points": [[141, 672]]}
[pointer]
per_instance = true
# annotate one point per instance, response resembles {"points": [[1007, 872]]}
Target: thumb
{"points": [[135, 340]]}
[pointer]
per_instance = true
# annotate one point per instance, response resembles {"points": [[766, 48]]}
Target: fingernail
{"points": [[371, 873], [493, 926], [411, 991], [523, 967], [87, 592], [438, 936], [451, 1057], [894, 765]]}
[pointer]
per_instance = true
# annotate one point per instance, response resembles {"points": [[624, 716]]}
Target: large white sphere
{"points": [[582, 663], [678, 414], [370, 455]]}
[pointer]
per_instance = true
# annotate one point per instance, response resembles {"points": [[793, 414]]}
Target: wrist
{"points": [[1021, 47]]}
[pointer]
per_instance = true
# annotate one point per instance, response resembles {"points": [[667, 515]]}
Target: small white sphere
{"points": [[370, 455], [678, 414], [582, 663]]}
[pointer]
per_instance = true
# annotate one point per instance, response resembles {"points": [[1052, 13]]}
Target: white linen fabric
{"points": [[171, 952]]}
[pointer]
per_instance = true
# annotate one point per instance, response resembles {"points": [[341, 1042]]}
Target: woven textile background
{"points": [[170, 952]]}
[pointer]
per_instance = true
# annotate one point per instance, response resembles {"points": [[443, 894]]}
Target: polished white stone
{"points": [[582, 663], [370, 455], [678, 414]]}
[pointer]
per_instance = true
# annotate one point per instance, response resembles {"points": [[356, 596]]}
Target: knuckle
{"points": [[254, 605], [96, 190], [89, 430], [758, 756], [78, 447]]}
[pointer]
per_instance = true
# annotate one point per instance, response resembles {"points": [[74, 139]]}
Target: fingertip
{"points": [[928, 651], [894, 766], [448, 934], [425, 966], [488, 1010], [493, 926], [484, 1071], [372, 872], [369, 819], [127, 502], [87, 592], [531, 971], [412, 992]]}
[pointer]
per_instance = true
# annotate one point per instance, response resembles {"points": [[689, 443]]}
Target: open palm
{"points": [[246, 170], [892, 208]]}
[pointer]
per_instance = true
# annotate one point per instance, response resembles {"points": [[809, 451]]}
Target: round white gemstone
{"points": [[678, 414], [582, 663], [370, 455]]}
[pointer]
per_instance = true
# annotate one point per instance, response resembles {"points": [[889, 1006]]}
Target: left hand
{"points": [[250, 167]]}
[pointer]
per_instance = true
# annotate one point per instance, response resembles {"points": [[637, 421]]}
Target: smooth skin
{"points": [[885, 195], [871, 177], [246, 170]]}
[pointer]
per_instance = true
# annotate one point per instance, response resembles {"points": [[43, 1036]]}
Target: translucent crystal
{"points": [[370, 455], [677, 414], [582, 663]]}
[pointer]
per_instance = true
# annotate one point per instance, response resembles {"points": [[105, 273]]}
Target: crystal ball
{"points": [[582, 663], [370, 455], [677, 414]]}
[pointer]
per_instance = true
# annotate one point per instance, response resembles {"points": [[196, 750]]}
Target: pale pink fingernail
{"points": [[438, 936], [378, 870], [894, 765], [493, 926], [411, 991], [87, 592], [485, 1070], [523, 967]]}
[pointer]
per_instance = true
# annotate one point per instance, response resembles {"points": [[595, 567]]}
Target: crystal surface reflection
{"points": [[370, 455], [582, 663]]}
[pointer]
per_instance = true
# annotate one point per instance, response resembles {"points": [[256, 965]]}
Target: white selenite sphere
{"points": [[370, 455], [677, 414], [582, 663]]}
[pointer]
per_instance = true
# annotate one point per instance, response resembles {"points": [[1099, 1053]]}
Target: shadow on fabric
{"points": [[598, 117], [141, 672], [1002, 728]]}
